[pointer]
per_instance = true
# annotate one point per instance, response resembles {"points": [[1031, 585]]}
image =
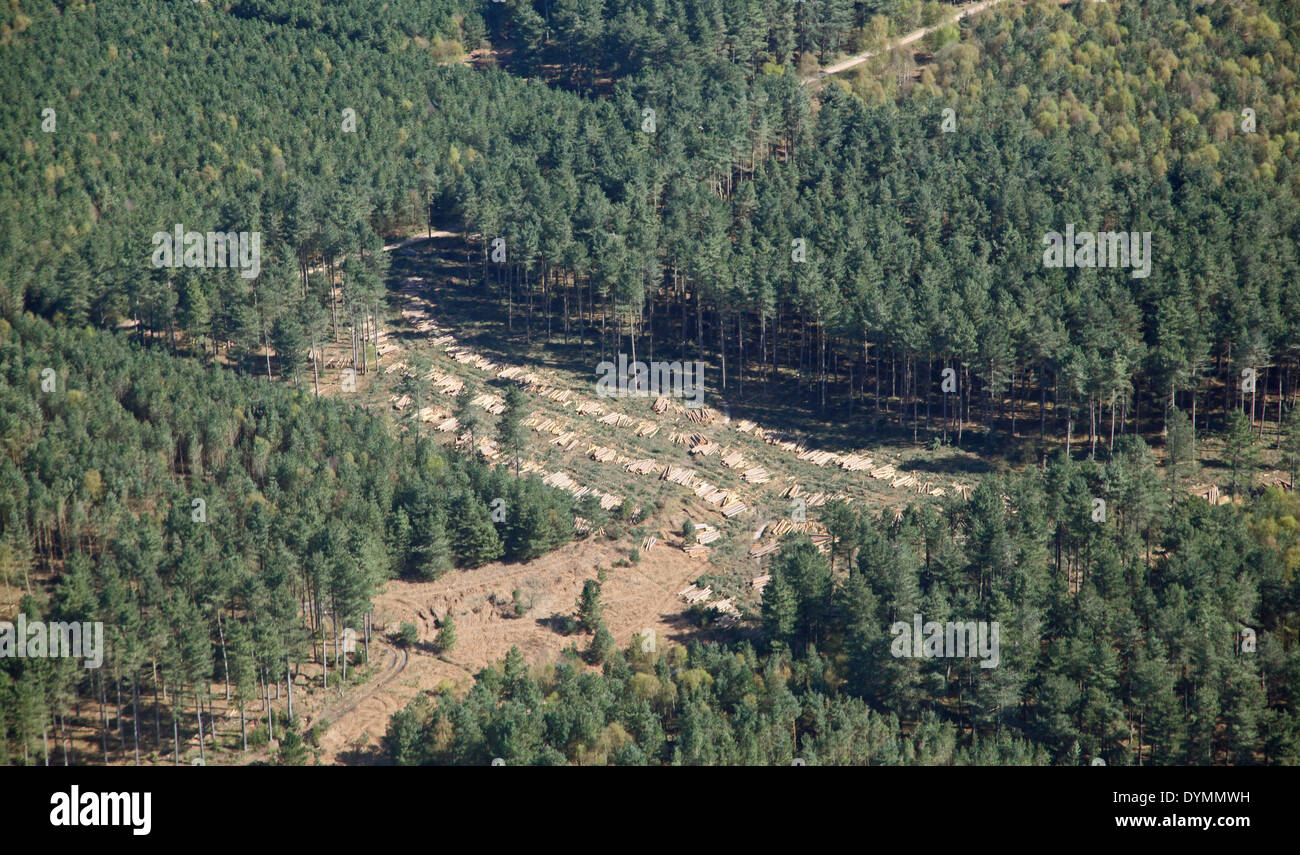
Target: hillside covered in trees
{"points": [[921, 250], [666, 178], [223, 530], [1121, 641]]}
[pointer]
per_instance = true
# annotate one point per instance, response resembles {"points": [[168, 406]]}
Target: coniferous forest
{"points": [[866, 248]]}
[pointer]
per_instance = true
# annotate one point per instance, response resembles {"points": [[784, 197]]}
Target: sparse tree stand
{"points": [[1290, 444]]}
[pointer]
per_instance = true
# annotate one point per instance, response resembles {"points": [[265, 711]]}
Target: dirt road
{"points": [[914, 36]]}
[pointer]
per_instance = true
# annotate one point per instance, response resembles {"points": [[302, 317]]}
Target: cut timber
{"points": [[817, 458], [784, 527], [493, 404], [449, 385], [701, 415], [641, 467], [735, 506], [855, 463], [706, 534], [560, 480], [678, 475], [694, 595]]}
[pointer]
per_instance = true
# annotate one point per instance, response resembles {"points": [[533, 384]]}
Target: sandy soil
{"points": [[636, 597]]}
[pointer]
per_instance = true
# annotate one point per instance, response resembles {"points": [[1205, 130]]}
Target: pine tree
{"points": [[293, 751], [474, 539], [780, 610], [510, 429], [591, 613], [446, 639], [1240, 448], [1179, 444]]}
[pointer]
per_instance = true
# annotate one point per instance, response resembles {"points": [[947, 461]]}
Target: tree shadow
{"points": [[369, 755]]}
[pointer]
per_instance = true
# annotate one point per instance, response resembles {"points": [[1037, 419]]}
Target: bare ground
{"points": [[636, 597]]}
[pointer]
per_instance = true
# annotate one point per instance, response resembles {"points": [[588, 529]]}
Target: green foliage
{"points": [[446, 640], [1291, 445], [293, 750], [1096, 632], [408, 634], [590, 611], [1241, 450], [602, 644]]}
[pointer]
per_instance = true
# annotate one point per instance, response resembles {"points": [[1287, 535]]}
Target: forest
{"points": [[781, 238], [666, 177], [223, 530], [1122, 641]]}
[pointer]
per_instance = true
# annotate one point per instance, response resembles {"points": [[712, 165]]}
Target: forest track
{"points": [[332, 715], [914, 36]]}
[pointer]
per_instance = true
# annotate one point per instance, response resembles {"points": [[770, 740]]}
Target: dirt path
{"points": [[914, 36], [397, 659]]}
